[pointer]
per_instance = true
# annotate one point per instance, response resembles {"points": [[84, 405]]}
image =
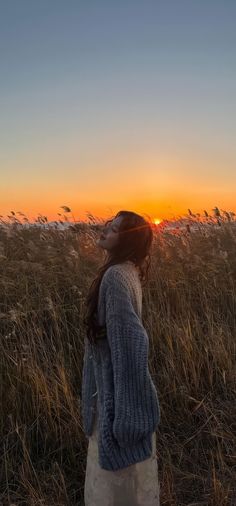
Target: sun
{"points": [[157, 221]]}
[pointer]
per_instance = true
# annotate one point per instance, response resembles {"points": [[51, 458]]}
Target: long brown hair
{"points": [[135, 240]]}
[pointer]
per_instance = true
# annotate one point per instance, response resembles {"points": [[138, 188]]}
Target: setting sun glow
{"points": [[157, 221]]}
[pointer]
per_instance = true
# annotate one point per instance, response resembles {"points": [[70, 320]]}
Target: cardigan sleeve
{"points": [[136, 403]]}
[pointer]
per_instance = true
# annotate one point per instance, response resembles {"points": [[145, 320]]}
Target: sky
{"points": [[109, 105]]}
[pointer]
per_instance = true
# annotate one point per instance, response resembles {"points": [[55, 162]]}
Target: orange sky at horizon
{"points": [[159, 186], [158, 209]]}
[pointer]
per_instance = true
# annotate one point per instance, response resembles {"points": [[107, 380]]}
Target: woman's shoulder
{"points": [[112, 279], [114, 271], [125, 272]]}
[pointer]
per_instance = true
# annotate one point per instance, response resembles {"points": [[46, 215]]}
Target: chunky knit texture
{"points": [[116, 370]]}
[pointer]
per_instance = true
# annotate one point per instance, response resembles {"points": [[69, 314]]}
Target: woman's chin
{"points": [[100, 243]]}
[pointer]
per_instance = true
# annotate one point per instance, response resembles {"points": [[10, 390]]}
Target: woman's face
{"points": [[110, 234]]}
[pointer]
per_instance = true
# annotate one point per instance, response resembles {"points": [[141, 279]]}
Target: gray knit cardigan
{"points": [[116, 370]]}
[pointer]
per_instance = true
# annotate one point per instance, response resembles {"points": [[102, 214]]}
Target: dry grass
{"points": [[189, 310]]}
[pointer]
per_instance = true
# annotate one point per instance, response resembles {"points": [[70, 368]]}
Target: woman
{"points": [[120, 407]]}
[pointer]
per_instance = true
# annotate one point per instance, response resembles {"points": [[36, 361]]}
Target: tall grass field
{"points": [[189, 312]]}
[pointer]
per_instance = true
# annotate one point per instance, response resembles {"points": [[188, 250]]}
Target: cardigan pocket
{"points": [[109, 441]]}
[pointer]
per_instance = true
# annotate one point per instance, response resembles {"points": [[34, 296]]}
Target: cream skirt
{"points": [[135, 485]]}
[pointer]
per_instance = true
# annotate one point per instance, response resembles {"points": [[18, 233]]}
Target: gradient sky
{"points": [[109, 105]]}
